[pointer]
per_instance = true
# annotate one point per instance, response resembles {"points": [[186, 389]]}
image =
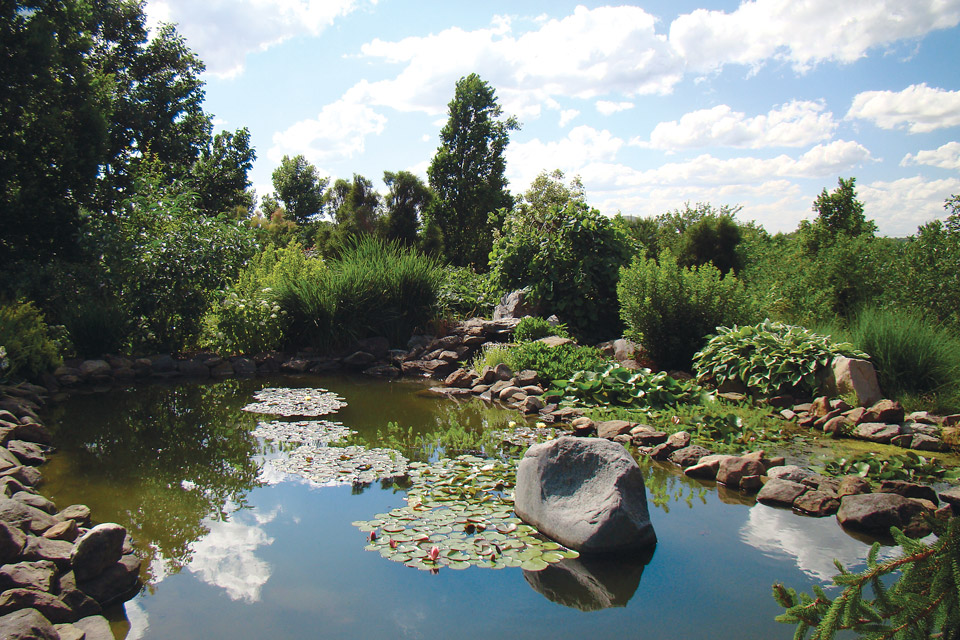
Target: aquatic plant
{"points": [[617, 385], [343, 465], [302, 431], [296, 402]]}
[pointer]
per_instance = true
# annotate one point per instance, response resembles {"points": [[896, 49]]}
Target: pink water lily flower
{"points": [[434, 553]]}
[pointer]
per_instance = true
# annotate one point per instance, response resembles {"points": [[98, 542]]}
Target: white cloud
{"points": [[945, 157], [795, 124], [567, 116], [803, 33], [607, 108], [900, 206], [339, 131], [582, 145], [226, 557], [918, 108], [224, 32]]}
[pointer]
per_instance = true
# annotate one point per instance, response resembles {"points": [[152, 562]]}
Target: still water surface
{"points": [[237, 551]]}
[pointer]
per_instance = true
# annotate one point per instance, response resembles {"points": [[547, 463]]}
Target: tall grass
{"points": [[917, 361], [374, 288]]}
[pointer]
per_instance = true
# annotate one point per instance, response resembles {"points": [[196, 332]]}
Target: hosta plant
{"points": [[770, 357]]}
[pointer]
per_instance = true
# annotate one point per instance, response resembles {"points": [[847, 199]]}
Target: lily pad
{"points": [[295, 402], [302, 431], [344, 465]]}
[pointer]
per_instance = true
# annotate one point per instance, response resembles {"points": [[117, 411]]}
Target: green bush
{"points": [[671, 310], [467, 294], [24, 335], [531, 328], [618, 386], [97, 327], [374, 288], [912, 355], [770, 357], [552, 363], [247, 318]]}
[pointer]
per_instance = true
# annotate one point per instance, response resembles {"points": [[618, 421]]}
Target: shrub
{"points": [[670, 309], [616, 385], [29, 349], [552, 363], [769, 357], [375, 288], [467, 294], [531, 328], [912, 355], [97, 327], [247, 318]]}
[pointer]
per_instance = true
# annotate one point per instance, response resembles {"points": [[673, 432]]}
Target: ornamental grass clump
{"points": [[770, 357]]}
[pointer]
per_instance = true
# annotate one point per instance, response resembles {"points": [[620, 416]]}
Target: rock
{"points": [[838, 404], [853, 375], [875, 513], [820, 406], [24, 517], [853, 485], [95, 628], [586, 493], [503, 372], [12, 541], [583, 426], [589, 583], [531, 404], [66, 531], [27, 624], [462, 378], [876, 432], [67, 631], [707, 467], [885, 411], [511, 394], [382, 371], [34, 500], [732, 470], [688, 456], [817, 503], [52, 608], [82, 604], [788, 414], [780, 492], [56, 551], [555, 341], [924, 416], [678, 440], [952, 497], [515, 305], [923, 442], [97, 549], [909, 490], [162, 363], [91, 368], [359, 360], [193, 369], [427, 368], [27, 452], [780, 402], [78, 512], [611, 428], [855, 415], [837, 426], [791, 472], [7, 460], [827, 417], [118, 583], [32, 432], [29, 476], [222, 370], [488, 376], [38, 575]]}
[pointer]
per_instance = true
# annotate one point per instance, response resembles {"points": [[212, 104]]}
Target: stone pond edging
{"points": [[58, 570]]}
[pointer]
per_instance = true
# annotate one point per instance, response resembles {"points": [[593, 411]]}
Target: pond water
{"points": [[235, 549]]}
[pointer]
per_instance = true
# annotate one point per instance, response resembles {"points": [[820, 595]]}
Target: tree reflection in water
{"points": [[666, 484], [180, 454]]}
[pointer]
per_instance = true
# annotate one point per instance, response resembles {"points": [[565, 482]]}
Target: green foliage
{"points": [[407, 199], [912, 355], [29, 351], [615, 385], [355, 205], [770, 357], [899, 466], [219, 176], [532, 328], [467, 172], [567, 254], [299, 187], [839, 214], [247, 317], [97, 326], [374, 288], [670, 309], [923, 603], [552, 363], [713, 239], [729, 432], [465, 293]]}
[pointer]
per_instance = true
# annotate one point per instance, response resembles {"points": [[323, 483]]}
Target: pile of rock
{"points": [[57, 572], [884, 422]]}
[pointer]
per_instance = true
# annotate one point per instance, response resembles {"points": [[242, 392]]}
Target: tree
{"points": [[932, 273], [53, 126], [839, 213], [713, 239], [299, 187], [358, 206], [406, 201], [467, 172], [219, 176]]}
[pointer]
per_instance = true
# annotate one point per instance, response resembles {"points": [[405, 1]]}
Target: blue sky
{"points": [[760, 104]]}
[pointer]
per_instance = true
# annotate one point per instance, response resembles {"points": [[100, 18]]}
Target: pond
{"points": [[236, 549]]}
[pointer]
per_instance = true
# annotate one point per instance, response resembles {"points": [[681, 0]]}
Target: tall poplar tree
{"points": [[467, 172]]}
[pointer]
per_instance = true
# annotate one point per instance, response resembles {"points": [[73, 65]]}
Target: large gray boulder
{"points": [[97, 549], [590, 583], [875, 513], [585, 493], [27, 624], [852, 375], [515, 305]]}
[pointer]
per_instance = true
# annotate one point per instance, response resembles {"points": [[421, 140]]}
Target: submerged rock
{"points": [[586, 493], [590, 583]]}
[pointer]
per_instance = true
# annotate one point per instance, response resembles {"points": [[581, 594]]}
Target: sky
{"points": [[758, 104]]}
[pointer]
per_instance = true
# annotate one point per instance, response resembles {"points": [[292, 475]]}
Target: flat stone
{"points": [[38, 575], [780, 492], [12, 541], [875, 513], [97, 549], [732, 470], [78, 512], [885, 411], [52, 608], [462, 378], [952, 497], [24, 517], [817, 503], [67, 631], [29, 453], [35, 500], [29, 476], [909, 490], [837, 426], [924, 416], [8, 460], [95, 628], [82, 604], [611, 428], [32, 432], [707, 467], [91, 368], [853, 485], [923, 442], [876, 432], [555, 341], [27, 624], [688, 456], [788, 414], [790, 472], [57, 551], [68, 531], [678, 440], [647, 437], [586, 493]]}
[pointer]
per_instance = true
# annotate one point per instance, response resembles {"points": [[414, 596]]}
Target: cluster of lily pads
{"points": [[459, 513], [296, 402], [302, 431], [525, 435], [343, 465]]}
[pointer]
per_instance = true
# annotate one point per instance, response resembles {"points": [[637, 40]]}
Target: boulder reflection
{"points": [[591, 583]]}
